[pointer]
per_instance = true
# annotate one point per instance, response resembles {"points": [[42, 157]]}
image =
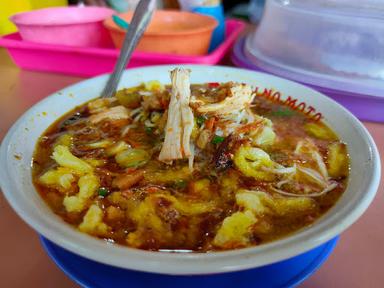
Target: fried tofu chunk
{"points": [[235, 230], [88, 184], [93, 222], [260, 203], [65, 158], [60, 178]]}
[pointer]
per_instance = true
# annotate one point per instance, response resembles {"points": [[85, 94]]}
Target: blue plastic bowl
{"points": [[287, 273]]}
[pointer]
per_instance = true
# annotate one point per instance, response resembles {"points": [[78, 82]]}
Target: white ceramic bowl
{"points": [[18, 189]]}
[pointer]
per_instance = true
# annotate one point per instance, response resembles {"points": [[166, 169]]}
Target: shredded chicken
{"points": [[327, 189], [320, 177], [100, 104], [240, 96], [309, 148], [114, 113], [180, 119]]}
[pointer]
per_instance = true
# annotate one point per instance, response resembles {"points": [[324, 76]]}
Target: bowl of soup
{"points": [[189, 170]]}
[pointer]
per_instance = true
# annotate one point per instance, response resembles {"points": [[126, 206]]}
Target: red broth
{"points": [[227, 201]]}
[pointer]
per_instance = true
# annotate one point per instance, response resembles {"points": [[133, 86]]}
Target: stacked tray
{"points": [[94, 61]]}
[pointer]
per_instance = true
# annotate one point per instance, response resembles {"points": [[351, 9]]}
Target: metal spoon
{"points": [[141, 17]]}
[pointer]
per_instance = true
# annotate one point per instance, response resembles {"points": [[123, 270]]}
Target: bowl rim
{"points": [[198, 263], [212, 23], [15, 18]]}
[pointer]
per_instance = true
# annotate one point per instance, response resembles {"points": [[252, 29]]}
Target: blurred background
{"points": [[7, 8]]}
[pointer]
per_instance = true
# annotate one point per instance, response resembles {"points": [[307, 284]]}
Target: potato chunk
{"points": [[252, 201], [93, 222], [114, 214], [235, 230], [293, 206], [74, 203], [337, 160], [88, 185], [320, 131], [151, 225], [147, 220]]}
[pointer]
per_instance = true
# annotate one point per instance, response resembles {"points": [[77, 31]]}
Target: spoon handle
{"points": [[141, 17]]}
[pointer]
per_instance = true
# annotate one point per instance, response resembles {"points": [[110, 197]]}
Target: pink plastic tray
{"points": [[95, 61]]}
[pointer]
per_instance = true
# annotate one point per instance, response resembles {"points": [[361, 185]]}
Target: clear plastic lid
{"points": [[337, 44]]}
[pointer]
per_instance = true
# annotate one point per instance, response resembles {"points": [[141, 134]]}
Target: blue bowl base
{"points": [[287, 273]]}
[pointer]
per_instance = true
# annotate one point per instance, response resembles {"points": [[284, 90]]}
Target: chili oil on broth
{"points": [[103, 176]]}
